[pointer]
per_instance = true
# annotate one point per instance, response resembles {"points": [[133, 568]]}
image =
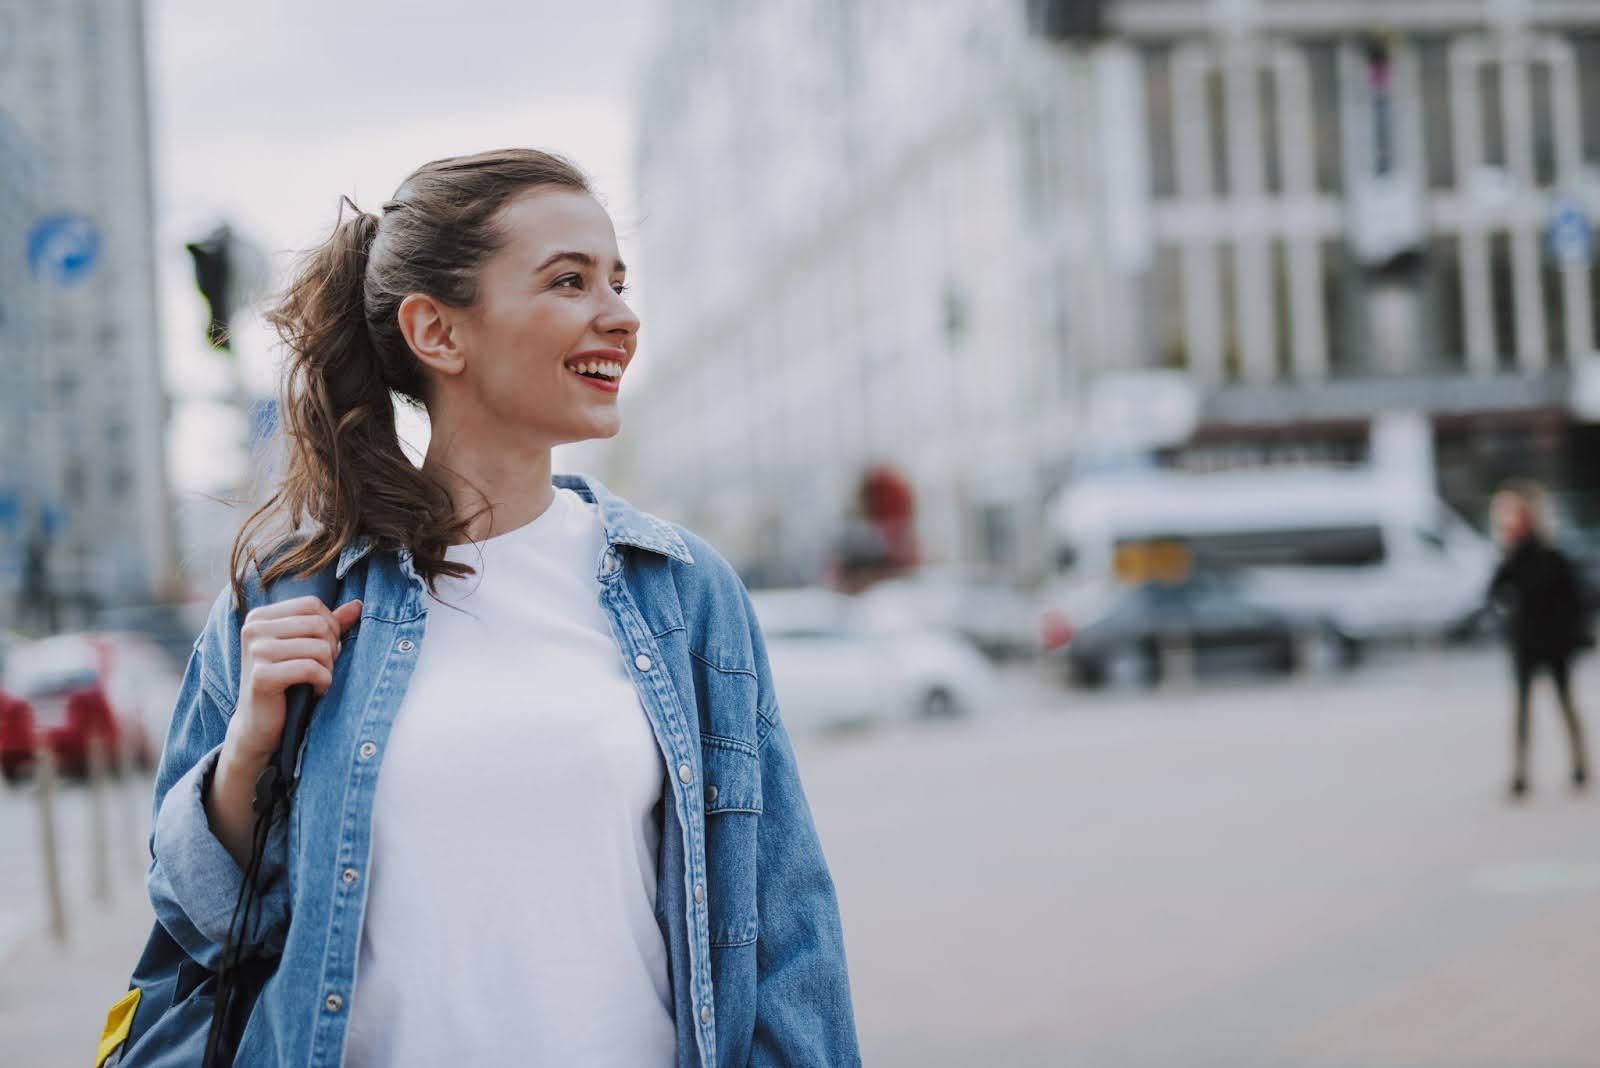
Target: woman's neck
{"points": [[514, 483]]}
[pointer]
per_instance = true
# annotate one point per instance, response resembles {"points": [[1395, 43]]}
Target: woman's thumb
{"points": [[347, 613]]}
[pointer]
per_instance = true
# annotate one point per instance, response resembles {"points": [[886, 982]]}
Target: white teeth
{"points": [[609, 368]]}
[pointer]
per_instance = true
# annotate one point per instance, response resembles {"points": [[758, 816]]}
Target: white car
{"points": [[997, 619], [834, 663]]}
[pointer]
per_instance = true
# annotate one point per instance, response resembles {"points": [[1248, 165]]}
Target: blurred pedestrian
{"points": [[589, 844], [1540, 595]]}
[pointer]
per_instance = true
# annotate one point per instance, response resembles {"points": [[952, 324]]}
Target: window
{"points": [[1271, 145], [1588, 62], [1492, 115], [1160, 128], [1323, 59], [1171, 340], [1542, 104], [1351, 546], [1438, 143], [1216, 112], [1448, 345], [1502, 296]]}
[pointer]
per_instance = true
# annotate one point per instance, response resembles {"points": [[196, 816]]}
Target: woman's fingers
{"points": [[294, 606], [302, 626], [276, 650], [278, 676], [347, 614]]}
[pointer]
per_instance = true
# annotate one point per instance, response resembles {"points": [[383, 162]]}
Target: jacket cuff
{"points": [[195, 873]]}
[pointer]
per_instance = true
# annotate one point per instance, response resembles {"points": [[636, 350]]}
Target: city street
{"points": [[1278, 874]]}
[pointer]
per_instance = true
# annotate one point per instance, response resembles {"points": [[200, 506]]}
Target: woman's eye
{"points": [[576, 281], [621, 289]]}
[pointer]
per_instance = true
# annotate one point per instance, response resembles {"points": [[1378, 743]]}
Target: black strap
{"points": [[221, 1040], [274, 787]]}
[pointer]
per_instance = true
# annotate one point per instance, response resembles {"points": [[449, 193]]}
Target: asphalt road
{"points": [[1282, 874]]}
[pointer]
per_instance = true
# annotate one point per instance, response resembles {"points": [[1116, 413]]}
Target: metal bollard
{"points": [[45, 789], [99, 838]]}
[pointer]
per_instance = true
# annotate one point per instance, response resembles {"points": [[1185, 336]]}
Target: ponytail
{"points": [[345, 472], [346, 476]]}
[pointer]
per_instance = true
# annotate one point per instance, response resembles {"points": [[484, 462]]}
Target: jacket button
{"points": [[406, 645], [334, 1003], [642, 662], [711, 793], [350, 876], [699, 893], [368, 750], [705, 1014], [685, 774]]}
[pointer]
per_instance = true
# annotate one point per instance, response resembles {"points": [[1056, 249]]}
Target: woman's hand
{"points": [[282, 645]]}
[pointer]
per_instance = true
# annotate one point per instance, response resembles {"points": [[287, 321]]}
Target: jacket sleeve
{"points": [[193, 880], [803, 1007]]}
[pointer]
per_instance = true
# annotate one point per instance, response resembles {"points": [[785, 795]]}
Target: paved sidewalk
{"points": [[53, 998]]}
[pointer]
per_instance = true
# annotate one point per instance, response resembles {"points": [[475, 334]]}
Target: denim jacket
{"points": [[744, 901]]}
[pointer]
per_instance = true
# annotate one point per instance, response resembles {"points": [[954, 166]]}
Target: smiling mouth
{"points": [[597, 370]]}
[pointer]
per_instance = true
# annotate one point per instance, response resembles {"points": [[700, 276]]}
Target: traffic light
{"points": [[213, 274]]}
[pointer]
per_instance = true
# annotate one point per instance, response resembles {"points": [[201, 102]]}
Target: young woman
{"points": [[548, 810], [1542, 596]]}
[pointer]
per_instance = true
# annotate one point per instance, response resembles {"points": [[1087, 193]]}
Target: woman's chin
{"points": [[596, 429]]}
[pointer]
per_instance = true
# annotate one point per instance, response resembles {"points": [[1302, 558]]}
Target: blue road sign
{"points": [[1571, 235], [63, 249]]}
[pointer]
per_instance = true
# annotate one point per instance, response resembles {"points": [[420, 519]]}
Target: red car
{"points": [[56, 699]]}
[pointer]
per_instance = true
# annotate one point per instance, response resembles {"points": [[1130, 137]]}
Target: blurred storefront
{"points": [[921, 234]]}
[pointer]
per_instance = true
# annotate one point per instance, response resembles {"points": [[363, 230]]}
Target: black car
{"points": [[1201, 625]]}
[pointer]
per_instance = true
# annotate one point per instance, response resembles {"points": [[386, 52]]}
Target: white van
{"points": [[1375, 556]]}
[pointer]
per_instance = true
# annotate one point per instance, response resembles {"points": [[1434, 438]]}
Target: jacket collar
{"points": [[624, 525]]}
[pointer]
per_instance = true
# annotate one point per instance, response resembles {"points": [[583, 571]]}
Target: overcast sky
{"points": [[265, 113]]}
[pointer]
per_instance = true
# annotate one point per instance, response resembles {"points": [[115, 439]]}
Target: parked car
{"points": [[835, 664], [66, 692], [1000, 621], [1140, 629]]}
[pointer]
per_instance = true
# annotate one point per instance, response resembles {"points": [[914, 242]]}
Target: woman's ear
{"points": [[430, 330]]}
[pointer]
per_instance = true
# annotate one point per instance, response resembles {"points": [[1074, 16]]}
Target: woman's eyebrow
{"points": [[579, 257]]}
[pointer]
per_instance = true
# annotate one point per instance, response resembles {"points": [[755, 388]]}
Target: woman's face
{"points": [[550, 300], [1508, 514]]}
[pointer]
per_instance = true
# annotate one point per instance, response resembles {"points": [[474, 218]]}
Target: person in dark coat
{"points": [[1541, 597]]}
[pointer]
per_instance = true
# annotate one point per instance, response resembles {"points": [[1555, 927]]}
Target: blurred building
{"points": [[72, 78], [927, 234], [21, 494]]}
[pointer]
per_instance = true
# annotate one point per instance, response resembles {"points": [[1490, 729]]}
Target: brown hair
{"points": [[345, 475]]}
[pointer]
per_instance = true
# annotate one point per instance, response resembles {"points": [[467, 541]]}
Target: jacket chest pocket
{"points": [[732, 778]]}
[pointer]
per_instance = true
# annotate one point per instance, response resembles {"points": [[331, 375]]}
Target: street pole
{"points": [[99, 840], [45, 784]]}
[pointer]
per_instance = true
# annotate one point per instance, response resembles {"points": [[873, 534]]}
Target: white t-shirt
{"points": [[510, 917]]}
